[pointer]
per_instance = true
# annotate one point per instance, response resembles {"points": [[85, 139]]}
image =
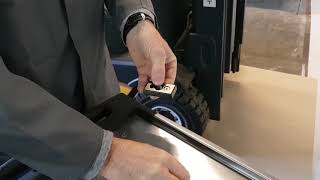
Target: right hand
{"points": [[136, 161]]}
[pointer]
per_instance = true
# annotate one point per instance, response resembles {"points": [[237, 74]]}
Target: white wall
{"points": [[314, 54], [314, 72]]}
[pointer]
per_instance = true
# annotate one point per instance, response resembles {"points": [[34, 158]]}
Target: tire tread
{"points": [[194, 103]]}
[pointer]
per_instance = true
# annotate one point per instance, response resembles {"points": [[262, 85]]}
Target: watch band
{"points": [[132, 21]]}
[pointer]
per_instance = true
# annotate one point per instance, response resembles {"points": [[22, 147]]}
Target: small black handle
{"points": [[116, 112], [156, 87]]}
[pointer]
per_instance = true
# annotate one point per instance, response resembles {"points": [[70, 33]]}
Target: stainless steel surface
{"points": [[230, 159], [199, 165], [203, 159]]}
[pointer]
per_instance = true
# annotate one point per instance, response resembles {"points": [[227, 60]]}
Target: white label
{"points": [[210, 3]]}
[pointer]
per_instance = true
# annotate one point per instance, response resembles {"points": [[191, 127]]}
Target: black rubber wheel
{"points": [[188, 108]]}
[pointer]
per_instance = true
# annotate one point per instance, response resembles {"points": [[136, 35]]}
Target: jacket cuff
{"points": [[141, 10], [101, 157]]}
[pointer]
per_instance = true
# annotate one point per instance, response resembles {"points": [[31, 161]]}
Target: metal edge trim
{"points": [[212, 146]]}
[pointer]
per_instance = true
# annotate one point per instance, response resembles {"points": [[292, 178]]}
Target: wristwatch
{"points": [[132, 21]]}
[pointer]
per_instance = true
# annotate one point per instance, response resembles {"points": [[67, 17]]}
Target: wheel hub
{"points": [[169, 113]]}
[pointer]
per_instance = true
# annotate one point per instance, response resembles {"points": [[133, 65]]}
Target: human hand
{"points": [[137, 161], [152, 55]]}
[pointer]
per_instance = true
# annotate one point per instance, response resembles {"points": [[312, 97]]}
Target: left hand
{"points": [[152, 55], [135, 161]]}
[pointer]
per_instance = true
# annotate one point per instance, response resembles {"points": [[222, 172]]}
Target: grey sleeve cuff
{"points": [[142, 10], [102, 156]]}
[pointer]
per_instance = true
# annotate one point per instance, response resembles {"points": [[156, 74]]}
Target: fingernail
{"points": [[156, 82]]}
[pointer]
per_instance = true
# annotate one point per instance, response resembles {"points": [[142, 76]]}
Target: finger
{"points": [[170, 54], [171, 66], [143, 80], [171, 177], [158, 58], [171, 72], [165, 175], [177, 169]]}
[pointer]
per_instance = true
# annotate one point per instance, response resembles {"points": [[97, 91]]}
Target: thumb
{"points": [[158, 67], [178, 169]]}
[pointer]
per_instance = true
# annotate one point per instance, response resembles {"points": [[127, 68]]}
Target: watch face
{"points": [[143, 16]]}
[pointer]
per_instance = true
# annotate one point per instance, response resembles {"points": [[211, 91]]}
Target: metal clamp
{"points": [[165, 90]]}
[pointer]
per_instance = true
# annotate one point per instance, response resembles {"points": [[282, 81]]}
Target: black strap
{"points": [[132, 21]]}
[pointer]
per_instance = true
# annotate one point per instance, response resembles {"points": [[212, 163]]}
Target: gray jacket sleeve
{"points": [[121, 10], [42, 132], [101, 157]]}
